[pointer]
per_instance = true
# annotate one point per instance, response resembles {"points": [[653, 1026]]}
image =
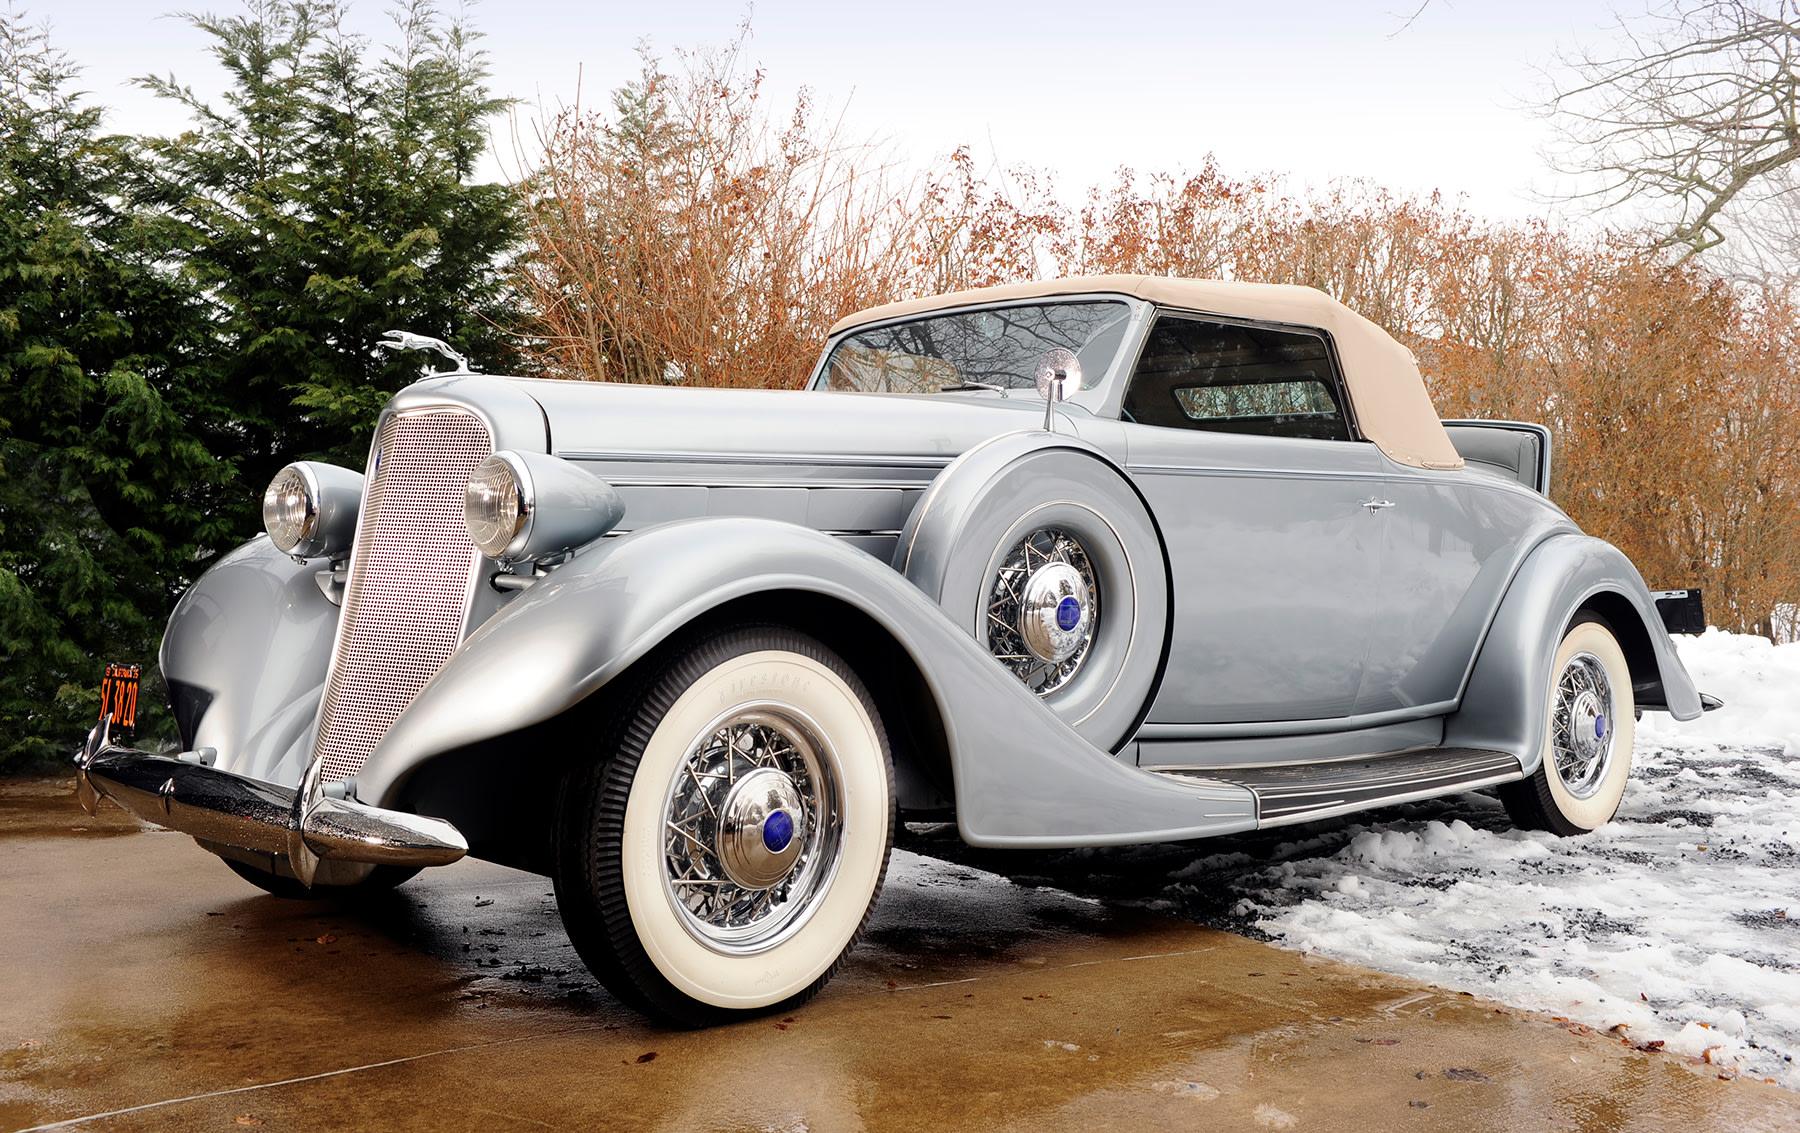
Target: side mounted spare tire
{"points": [[1045, 552]]}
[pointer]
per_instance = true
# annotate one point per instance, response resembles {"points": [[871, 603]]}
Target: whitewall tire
{"points": [[1588, 734], [724, 859]]}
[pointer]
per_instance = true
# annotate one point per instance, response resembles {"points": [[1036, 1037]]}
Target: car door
{"points": [[1236, 434], [1450, 544]]}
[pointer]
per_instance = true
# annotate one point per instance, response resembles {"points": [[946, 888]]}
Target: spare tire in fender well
{"points": [[957, 541]]}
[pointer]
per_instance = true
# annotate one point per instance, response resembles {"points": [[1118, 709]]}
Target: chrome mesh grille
{"points": [[408, 591]]}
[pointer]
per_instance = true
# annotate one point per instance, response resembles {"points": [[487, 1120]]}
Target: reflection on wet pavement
{"points": [[144, 981]]}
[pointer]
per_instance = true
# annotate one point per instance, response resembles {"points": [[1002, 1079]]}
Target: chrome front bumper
{"points": [[302, 825]]}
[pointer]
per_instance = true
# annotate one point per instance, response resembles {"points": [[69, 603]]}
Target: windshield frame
{"points": [[1094, 398]]}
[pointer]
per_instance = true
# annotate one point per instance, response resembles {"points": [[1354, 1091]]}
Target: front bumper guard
{"points": [[301, 824]]}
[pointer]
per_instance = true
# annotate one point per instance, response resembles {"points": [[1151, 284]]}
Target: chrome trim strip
{"points": [[748, 482], [886, 460], [890, 532], [1294, 818], [1250, 728], [1264, 473], [1301, 793], [1213, 770]]}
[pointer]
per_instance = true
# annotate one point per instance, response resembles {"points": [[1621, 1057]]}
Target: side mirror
{"points": [[1055, 369]]}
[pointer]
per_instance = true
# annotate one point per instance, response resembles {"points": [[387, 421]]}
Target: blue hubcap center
{"points": [[778, 831], [1599, 727], [1068, 612]]}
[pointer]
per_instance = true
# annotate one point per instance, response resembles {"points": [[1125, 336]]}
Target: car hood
{"points": [[602, 420]]}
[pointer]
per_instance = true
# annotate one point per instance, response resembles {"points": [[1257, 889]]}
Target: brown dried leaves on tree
{"points": [[687, 236], [1673, 395]]}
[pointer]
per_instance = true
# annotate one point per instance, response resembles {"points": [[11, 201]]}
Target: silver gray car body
{"points": [[1294, 651]]}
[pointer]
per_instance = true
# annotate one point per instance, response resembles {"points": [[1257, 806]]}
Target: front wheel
{"points": [[722, 860], [1588, 737], [381, 879]]}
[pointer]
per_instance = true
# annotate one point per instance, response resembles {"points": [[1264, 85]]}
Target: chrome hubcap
{"points": [[1055, 611], [1042, 609], [751, 831], [759, 828], [1581, 725]]}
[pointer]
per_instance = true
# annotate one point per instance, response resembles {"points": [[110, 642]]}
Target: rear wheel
{"points": [[1588, 737], [719, 857]]}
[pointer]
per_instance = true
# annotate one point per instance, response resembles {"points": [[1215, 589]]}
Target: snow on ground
{"points": [[1679, 920], [1673, 920]]}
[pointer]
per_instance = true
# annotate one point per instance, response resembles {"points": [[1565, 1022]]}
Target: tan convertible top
{"points": [[1392, 407]]}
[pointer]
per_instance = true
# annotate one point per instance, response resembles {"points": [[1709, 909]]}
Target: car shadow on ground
{"points": [[1201, 881]]}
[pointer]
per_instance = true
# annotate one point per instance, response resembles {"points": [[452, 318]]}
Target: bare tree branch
{"points": [[1694, 113], [1417, 12]]}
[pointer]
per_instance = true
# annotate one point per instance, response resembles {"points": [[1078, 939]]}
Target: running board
{"points": [[1301, 793]]}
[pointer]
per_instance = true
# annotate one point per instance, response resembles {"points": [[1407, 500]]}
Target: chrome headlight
{"points": [[310, 509], [496, 506], [526, 505]]}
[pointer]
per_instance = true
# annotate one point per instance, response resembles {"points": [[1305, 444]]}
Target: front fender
{"points": [[1505, 706], [1022, 777], [254, 633]]}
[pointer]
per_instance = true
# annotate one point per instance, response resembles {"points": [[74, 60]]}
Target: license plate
{"points": [[119, 695]]}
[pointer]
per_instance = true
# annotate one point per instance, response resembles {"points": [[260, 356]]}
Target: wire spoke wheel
{"points": [[1043, 609], [1588, 733], [1047, 555], [751, 828], [1583, 725], [719, 853]]}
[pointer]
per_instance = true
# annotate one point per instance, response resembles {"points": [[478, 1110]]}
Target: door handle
{"points": [[1374, 504]]}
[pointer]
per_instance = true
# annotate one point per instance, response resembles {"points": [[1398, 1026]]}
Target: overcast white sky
{"points": [[1317, 89]]}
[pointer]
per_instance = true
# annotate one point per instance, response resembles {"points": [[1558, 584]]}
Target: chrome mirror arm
{"points": [[1054, 395], [1054, 369]]}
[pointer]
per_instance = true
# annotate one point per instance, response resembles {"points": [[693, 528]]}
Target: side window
{"points": [[1228, 378]]}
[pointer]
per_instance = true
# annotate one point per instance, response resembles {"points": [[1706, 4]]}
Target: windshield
{"points": [[999, 347]]}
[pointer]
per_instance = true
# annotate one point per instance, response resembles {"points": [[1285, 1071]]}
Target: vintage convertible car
{"points": [[1078, 563]]}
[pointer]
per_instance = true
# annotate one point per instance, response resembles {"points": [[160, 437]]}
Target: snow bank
{"points": [[1679, 921], [1759, 683]]}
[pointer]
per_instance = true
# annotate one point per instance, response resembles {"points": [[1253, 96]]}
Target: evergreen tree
{"points": [[108, 498], [325, 202], [179, 317]]}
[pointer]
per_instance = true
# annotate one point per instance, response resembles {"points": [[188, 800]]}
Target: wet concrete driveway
{"points": [[142, 986]]}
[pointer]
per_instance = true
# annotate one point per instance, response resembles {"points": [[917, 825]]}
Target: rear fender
{"points": [[1021, 777], [1505, 706]]}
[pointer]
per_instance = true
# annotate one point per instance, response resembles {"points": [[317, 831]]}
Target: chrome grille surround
{"points": [[412, 571]]}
